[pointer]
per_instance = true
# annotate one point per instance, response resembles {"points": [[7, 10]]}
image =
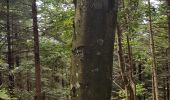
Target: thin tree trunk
{"points": [[0, 78], [140, 77], [10, 65], [168, 51], [91, 72], [164, 89], [168, 94], [153, 58], [166, 80], [167, 75], [36, 52], [153, 86], [140, 72], [130, 70], [127, 81], [132, 86], [122, 63], [12, 41]]}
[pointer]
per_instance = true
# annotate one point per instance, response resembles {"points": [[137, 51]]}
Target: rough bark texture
{"points": [[36, 52], [10, 63], [92, 51], [153, 58]]}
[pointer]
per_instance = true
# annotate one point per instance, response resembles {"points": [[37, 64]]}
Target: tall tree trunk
{"points": [[131, 84], [92, 51], [36, 52], [130, 70], [10, 63], [12, 41], [153, 58], [127, 78], [122, 64], [168, 51]]}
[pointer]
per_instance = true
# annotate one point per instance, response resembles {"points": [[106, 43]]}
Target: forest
{"points": [[84, 49]]}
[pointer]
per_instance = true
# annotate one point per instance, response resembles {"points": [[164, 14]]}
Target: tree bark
{"points": [[36, 52], [153, 58], [92, 51], [10, 63]]}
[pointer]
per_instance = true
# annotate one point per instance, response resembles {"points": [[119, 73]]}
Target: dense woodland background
{"points": [[141, 57]]}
